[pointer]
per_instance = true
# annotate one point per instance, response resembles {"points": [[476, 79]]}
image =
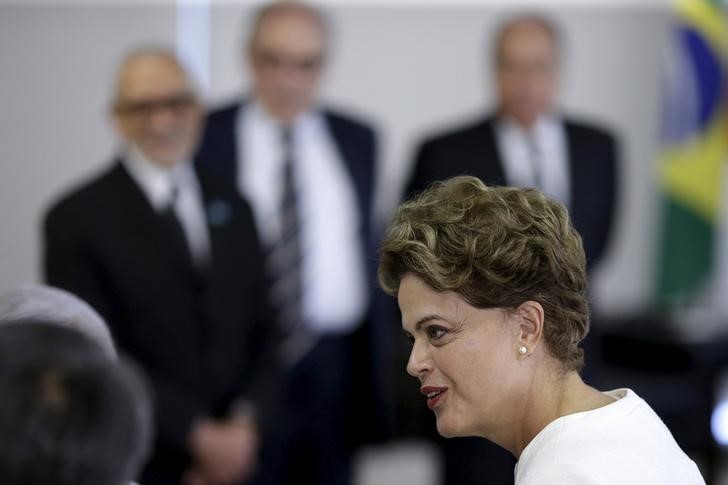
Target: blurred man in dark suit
{"points": [[308, 173], [171, 260], [526, 141]]}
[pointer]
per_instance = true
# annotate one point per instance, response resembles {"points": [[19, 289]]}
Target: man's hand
{"points": [[225, 452]]}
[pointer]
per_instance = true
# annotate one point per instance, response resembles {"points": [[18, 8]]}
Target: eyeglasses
{"points": [[176, 105], [304, 65]]}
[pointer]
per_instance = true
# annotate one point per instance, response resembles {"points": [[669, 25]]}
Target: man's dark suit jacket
{"points": [[203, 339], [356, 143], [592, 158]]}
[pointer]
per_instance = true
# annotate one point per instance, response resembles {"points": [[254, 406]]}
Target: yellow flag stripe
{"points": [[709, 20], [691, 173]]}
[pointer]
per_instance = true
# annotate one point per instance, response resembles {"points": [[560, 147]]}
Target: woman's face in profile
{"points": [[464, 357]]}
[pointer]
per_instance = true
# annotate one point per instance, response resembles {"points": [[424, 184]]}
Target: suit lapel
{"points": [[218, 214], [356, 162], [487, 162], [229, 144], [576, 171], [137, 212]]}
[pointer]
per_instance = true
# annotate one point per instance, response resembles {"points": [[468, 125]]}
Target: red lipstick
{"points": [[434, 395]]}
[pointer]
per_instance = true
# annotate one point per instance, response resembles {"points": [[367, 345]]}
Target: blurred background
{"points": [[413, 68]]}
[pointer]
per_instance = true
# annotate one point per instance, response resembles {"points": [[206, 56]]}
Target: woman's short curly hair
{"points": [[497, 247]]}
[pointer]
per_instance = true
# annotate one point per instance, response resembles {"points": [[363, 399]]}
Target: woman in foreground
{"points": [[492, 287]]}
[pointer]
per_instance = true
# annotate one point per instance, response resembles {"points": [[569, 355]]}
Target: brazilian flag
{"points": [[694, 151]]}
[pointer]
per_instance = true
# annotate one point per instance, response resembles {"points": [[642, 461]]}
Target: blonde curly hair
{"points": [[496, 247]]}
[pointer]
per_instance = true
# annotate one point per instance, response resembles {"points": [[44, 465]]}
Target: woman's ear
{"points": [[531, 320]]}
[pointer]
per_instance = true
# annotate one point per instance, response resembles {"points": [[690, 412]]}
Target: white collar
{"points": [[304, 121], [544, 128], [155, 180]]}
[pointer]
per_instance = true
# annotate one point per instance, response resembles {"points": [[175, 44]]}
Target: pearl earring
{"points": [[522, 350]]}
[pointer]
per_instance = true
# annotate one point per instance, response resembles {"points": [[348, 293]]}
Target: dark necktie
{"points": [[284, 255], [175, 230]]}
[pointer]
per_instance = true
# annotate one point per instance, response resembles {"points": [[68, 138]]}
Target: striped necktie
{"points": [[284, 254]]}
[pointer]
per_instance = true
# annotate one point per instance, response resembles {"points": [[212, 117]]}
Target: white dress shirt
{"points": [[159, 185], [334, 291], [537, 157]]}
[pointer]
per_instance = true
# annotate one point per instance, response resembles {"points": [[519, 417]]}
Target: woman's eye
{"points": [[435, 333], [410, 339]]}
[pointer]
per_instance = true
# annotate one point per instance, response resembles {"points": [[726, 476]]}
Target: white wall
{"points": [[411, 70]]}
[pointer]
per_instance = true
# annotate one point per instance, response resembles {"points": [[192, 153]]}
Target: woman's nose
{"points": [[418, 363]]}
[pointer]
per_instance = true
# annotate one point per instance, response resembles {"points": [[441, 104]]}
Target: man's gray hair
{"points": [[54, 306]]}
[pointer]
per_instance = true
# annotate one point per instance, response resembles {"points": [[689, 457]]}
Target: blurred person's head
{"points": [[156, 107], [69, 414], [527, 68], [485, 277], [286, 54], [33, 302]]}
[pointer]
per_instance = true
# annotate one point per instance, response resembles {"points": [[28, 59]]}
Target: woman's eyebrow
{"points": [[426, 319]]}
